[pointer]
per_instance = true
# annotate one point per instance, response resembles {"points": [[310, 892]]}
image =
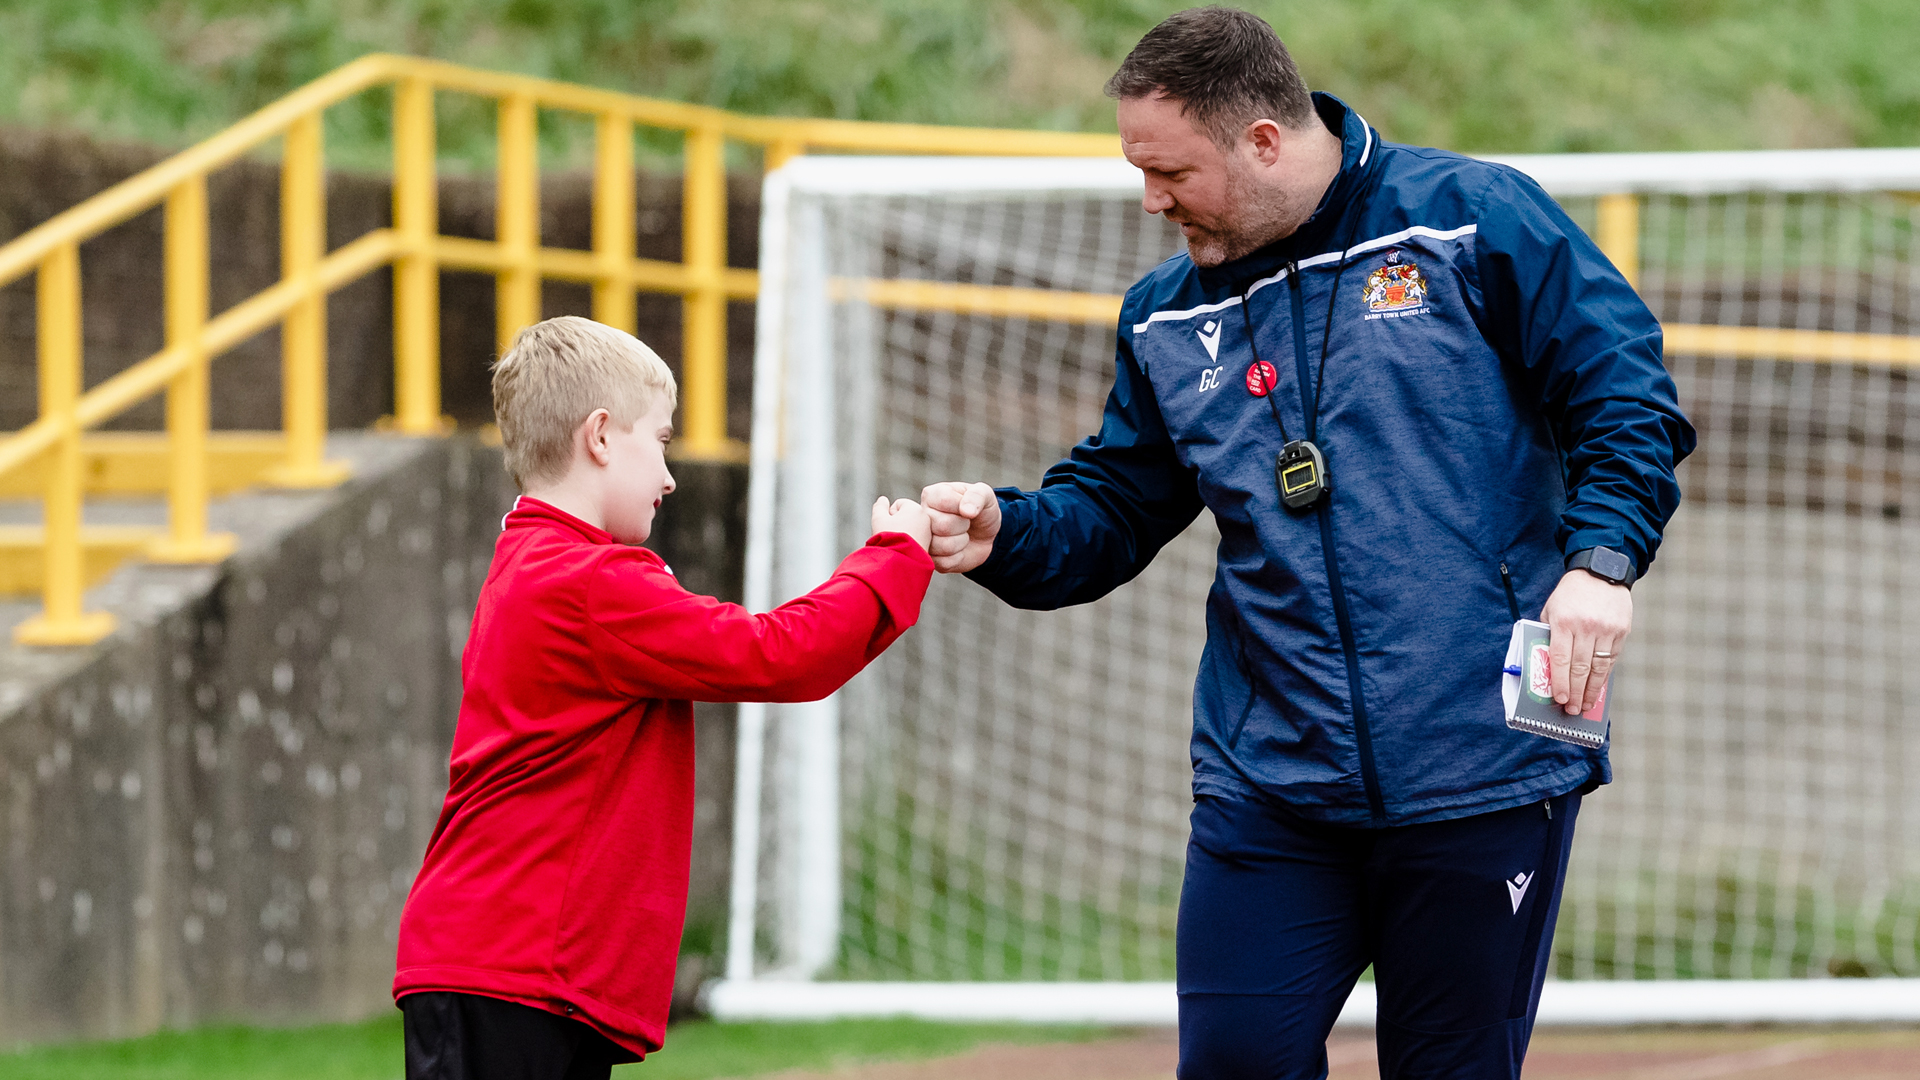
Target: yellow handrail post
{"points": [[1619, 229], [62, 622], [703, 318], [416, 275], [517, 220], [303, 334], [613, 221], [781, 151], [188, 397]]}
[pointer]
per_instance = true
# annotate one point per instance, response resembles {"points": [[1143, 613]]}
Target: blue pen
{"points": [[1512, 669]]}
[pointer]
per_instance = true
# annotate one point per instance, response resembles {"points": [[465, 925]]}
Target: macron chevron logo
{"points": [[1517, 890], [1210, 337]]}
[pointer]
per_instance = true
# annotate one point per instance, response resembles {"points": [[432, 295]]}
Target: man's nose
{"points": [[1156, 200]]}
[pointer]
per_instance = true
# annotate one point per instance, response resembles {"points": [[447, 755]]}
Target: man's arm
{"points": [[1098, 519], [1555, 306]]}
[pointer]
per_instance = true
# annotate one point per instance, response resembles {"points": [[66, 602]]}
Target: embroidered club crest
{"points": [[1396, 285]]}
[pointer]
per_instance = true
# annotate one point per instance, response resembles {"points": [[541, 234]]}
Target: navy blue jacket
{"points": [[1494, 400]]}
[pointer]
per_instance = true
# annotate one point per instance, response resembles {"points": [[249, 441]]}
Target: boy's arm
{"points": [[654, 639]]}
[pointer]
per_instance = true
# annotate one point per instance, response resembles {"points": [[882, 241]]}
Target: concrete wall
{"points": [[216, 813]]}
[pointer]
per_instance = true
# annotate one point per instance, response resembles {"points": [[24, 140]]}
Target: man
{"points": [[1421, 404]]}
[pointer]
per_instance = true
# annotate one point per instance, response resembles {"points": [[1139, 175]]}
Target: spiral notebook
{"points": [[1529, 694]]}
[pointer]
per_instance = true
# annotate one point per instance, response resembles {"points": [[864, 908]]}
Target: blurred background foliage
{"points": [[1473, 75]]}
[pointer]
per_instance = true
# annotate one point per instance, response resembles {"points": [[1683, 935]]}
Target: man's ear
{"points": [[1262, 139], [593, 433]]}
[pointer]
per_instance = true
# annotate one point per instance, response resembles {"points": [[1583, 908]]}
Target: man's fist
{"points": [[965, 519], [902, 516]]}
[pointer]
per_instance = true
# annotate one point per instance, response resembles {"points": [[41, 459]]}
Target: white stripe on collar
{"points": [[1187, 313], [1360, 248]]}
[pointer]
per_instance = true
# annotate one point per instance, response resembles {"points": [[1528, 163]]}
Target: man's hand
{"points": [[966, 518], [902, 516], [1589, 617]]}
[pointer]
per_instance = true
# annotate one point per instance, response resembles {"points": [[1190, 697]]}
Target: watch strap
{"points": [[1605, 564]]}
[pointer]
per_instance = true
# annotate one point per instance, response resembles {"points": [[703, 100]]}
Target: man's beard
{"points": [[1257, 216]]}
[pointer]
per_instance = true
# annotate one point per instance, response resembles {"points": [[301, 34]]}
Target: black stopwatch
{"points": [[1301, 474]]}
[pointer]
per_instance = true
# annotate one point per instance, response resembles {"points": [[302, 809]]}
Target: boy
{"points": [[540, 937]]}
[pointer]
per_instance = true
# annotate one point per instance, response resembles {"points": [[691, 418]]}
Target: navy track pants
{"points": [[1279, 916]]}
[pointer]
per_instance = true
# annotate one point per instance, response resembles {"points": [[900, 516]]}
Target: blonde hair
{"points": [[556, 374]]}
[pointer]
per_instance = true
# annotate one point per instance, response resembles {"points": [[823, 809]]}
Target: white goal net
{"points": [[1002, 797]]}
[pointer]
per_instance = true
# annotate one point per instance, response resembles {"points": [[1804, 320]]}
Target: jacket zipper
{"points": [[1362, 734], [1246, 672], [1513, 602]]}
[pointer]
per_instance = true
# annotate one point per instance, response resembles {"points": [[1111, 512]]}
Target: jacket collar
{"points": [[1359, 158], [529, 512]]}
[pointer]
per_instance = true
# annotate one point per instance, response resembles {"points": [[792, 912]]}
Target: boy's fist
{"points": [[902, 516]]}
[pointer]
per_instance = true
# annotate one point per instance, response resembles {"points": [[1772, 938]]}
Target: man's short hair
{"points": [[555, 375], [1226, 68]]}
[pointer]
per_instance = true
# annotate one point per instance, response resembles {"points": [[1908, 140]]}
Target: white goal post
{"points": [[1009, 847]]}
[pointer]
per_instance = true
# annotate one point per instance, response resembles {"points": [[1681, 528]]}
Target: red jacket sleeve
{"points": [[654, 639]]}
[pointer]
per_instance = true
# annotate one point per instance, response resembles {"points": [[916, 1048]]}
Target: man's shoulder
{"points": [[1174, 273], [1172, 285], [1425, 175]]}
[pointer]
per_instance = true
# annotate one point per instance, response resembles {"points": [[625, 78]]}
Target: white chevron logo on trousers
{"points": [[1517, 890]]}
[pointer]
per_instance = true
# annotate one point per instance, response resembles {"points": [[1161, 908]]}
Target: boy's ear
{"points": [[593, 434]]}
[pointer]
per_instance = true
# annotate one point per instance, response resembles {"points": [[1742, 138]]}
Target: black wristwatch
{"points": [[1603, 563]]}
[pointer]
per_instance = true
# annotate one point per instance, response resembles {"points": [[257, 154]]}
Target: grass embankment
{"points": [[1475, 75], [371, 1051]]}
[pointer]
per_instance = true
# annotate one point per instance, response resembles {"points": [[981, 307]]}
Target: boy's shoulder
{"points": [[546, 557], [550, 583], [533, 525], [548, 550], [629, 563]]}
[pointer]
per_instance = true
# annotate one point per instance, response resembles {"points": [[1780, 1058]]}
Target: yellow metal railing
{"points": [[1617, 232], [57, 456]]}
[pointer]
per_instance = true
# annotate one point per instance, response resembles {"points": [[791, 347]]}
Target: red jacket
{"points": [[557, 874]]}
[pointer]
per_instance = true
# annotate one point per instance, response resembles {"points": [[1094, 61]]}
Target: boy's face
{"points": [[637, 477]]}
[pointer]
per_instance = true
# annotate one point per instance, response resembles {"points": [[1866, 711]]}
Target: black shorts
{"points": [[453, 1036]]}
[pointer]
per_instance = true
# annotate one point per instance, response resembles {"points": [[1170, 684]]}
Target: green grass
{"points": [[366, 1051], [371, 1051], [1736, 926], [919, 908], [1477, 75], [702, 1049]]}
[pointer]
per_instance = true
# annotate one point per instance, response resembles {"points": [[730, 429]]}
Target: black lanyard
{"points": [[1300, 472]]}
